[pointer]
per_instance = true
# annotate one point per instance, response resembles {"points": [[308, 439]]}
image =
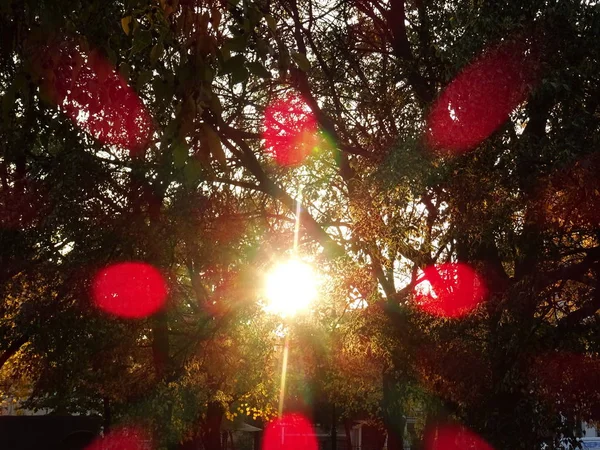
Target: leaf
{"points": [[256, 68], [160, 88], [236, 44], [215, 105], [271, 22], [141, 40], [192, 172], [124, 70], [206, 73], [180, 153], [143, 79], [301, 60], [233, 63], [239, 74], [213, 142], [156, 53], [126, 24]]}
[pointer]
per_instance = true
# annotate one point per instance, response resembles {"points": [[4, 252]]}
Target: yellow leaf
{"points": [[126, 23]]}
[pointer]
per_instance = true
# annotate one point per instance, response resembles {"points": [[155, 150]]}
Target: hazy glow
{"points": [[290, 287], [130, 438], [454, 437]]}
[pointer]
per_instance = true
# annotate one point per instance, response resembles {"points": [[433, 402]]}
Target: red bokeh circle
{"points": [[126, 438], [482, 96], [95, 96], [449, 290], [129, 290], [454, 437], [292, 431], [290, 130]]}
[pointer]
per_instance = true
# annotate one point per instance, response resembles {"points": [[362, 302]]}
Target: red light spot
{"points": [[482, 96], [290, 130], [290, 432], [129, 290], [454, 437], [449, 290], [95, 96], [123, 439]]}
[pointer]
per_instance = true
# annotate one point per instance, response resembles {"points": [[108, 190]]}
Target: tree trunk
{"points": [[395, 434], [393, 418], [106, 415], [348, 430], [160, 345], [211, 428]]}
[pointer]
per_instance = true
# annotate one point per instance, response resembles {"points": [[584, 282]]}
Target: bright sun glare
{"points": [[290, 287]]}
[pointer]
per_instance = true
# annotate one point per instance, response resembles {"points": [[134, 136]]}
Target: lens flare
{"points": [[290, 432], [290, 287], [482, 96], [449, 290], [130, 438], [95, 96], [454, 437], [290, 130], [130, 290]]}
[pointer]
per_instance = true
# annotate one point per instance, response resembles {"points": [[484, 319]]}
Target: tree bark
{"points": [[106, 414], [211, 428], [348, 430]]}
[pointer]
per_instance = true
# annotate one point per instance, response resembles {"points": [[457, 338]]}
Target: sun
{"points": [[290, 287]]}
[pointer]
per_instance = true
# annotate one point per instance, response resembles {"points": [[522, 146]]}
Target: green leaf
{"points": [[239, 74], [236, 44], [247, 26], [233, 64], [213, 142], [262, 48], [301, 60], [124, 71], [254, 15], [156, 53], [271, 22], [141, 40], [192, 172], [180, 153], [143, 79], [256, 68], [215, 105], [206, 73], [160, 88]]}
